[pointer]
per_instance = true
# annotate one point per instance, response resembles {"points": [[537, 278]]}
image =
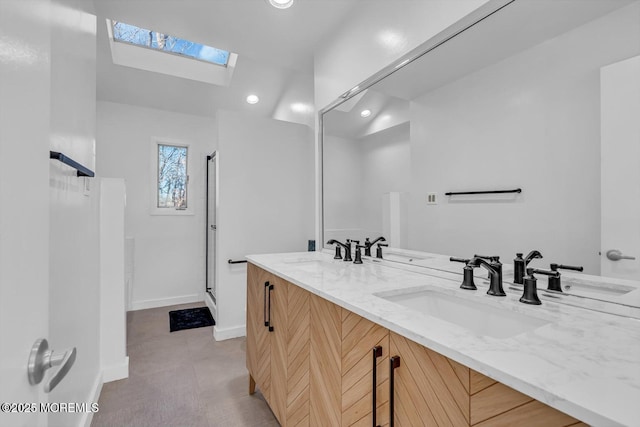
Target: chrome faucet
{"points": [[368, 245]]}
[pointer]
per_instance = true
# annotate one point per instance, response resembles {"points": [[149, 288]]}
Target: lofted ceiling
{"points": [[275, 53]]}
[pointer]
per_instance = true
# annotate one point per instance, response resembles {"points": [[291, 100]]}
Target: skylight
{"points": [[131, 34]]}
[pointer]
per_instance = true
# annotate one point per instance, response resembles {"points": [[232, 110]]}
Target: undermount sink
{"points": [[403, 258], [301, 260], [481, 319], [583, 287]]}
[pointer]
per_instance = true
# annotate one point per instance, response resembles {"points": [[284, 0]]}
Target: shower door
{"points": [[212, 203]]}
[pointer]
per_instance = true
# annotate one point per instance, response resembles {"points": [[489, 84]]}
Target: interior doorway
{"points": [[211, 215]]}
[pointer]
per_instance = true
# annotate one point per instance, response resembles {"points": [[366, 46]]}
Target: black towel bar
{"points": [[237, 262], [517, 190], [82, 171]]}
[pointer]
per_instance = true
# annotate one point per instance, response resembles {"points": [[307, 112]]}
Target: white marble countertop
{"points": [[583, 362]]}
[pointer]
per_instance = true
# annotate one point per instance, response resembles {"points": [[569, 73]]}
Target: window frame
{"points": [[154, 208]]}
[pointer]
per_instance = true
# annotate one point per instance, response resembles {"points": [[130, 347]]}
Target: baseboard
{"points": [[116, 372], [163, 302], [94, 395], [212, 305], [228, 333]]}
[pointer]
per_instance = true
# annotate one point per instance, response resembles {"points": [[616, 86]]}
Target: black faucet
{"points": [[530, 295], [492, 259], [520, 265], [379, 250], [346, 246], [495, 274], [554, 281], [467, 281], [368, 244], [358, 259]]}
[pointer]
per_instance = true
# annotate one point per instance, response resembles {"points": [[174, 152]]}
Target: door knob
{"points": [[616, 255], [41, 359]]}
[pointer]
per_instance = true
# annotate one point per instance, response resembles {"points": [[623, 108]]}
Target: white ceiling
{"points": [[275, 49]]}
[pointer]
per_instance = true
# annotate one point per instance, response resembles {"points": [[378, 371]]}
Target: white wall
{"points": [[530, 121], [361, 172], [113, 313], [385, 155], [265, 196], [343, 193], [377, 33], [74, 295], [168, 264]]}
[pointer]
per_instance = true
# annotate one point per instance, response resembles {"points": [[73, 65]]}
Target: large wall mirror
{"points": [[540, 95]]}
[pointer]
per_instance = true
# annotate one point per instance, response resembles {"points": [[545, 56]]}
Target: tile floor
{"points": [[182, 378]]}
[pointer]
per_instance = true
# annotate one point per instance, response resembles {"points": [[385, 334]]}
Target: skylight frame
{"points": [[113, 31]]}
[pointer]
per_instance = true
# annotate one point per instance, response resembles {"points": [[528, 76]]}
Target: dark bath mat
{"points": [[190, 318]]}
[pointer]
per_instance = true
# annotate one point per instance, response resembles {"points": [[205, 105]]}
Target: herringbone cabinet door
{"points": [[258, 340]]}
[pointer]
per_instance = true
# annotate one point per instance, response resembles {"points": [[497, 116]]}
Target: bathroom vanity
{"points": [[316, 327], [512, 130]]}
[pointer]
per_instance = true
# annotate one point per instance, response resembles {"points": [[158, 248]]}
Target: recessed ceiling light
{"points": [[281, 4], [253, 99], [365, 113]]}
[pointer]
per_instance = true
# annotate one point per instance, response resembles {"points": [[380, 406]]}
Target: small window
{"points": [[172, 176], [131, 34]]}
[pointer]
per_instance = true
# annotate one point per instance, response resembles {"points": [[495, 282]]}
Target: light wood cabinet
{"points": [[258, 338], [278, 345], [343, 352], [314, 363], [431, 389]]}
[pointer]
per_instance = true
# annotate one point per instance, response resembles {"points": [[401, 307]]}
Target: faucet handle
{"points": [[554, 283], [530, 295], [555, 267], [379, 249], [463, 260], [492, 258], [358, 259]]}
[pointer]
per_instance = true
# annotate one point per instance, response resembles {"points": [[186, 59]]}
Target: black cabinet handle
{"points": [[264, 311], [377, 352], [269, 323], [394, 362]]}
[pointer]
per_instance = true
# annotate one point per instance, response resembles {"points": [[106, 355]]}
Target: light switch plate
{"points": [[432, 199]]}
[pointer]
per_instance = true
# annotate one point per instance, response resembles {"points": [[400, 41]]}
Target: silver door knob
{"points": [[41, 359], [616, 255]]}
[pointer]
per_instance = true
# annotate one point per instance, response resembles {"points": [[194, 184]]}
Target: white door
{"points": [[212, 171], [24, 200], [620, 168]]}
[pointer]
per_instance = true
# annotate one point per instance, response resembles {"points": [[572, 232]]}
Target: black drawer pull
{"points": [[377, 352], [269, 322], [264, 311], [394, 362]]}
